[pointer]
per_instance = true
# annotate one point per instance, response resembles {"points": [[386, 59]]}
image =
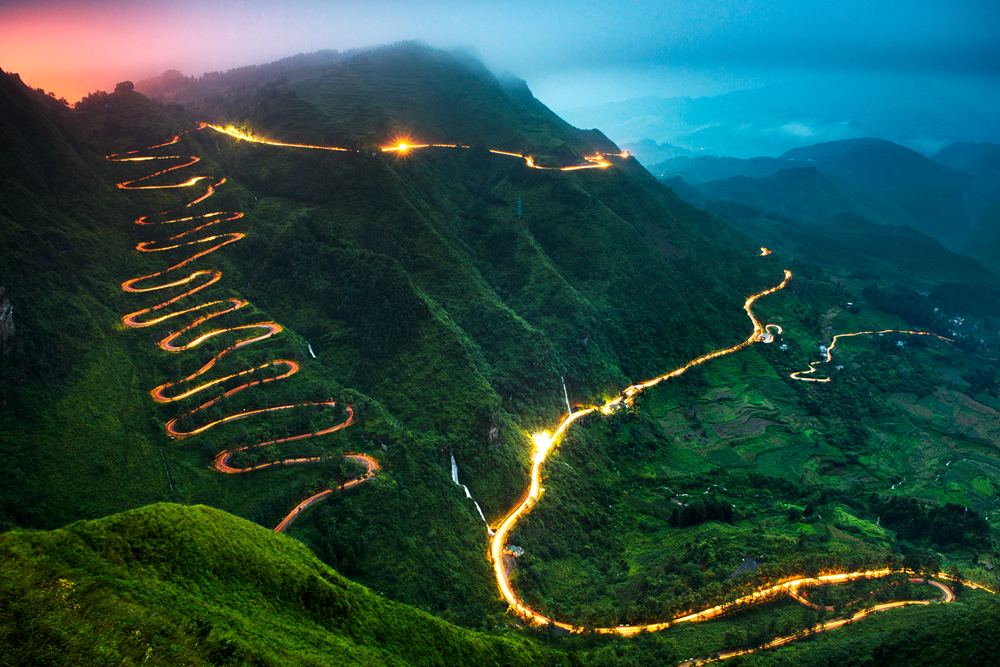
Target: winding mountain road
{"points": [[150, 316]]}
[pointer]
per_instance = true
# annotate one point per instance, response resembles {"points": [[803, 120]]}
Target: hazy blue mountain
{"points": [[879, 164], [648, 152], [982, 162], [770, 120], [806, 195], [984, 240], [695, 170], [872, 177]]}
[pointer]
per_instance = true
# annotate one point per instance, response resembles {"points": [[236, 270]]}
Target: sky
{"points": [[572, 54]]}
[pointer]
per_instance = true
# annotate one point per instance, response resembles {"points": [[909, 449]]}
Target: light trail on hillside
{"points": [[947, 595], [598, 161], [371, 466], [828, 351], [208, 311]]}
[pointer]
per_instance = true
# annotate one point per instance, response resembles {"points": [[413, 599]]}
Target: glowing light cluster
{"points": [[208, 311]]}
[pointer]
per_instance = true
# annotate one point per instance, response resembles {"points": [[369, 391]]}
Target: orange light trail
{"points": [[372, 467], [544, 442], [797, 375], [202, 279], [236, 134], [593, 161], [947, 595]]}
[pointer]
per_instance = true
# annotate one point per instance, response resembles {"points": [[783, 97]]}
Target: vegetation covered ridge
{"points": [[544, 442]]}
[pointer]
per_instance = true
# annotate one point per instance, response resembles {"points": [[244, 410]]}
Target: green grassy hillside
{"points": [[175, 585]]}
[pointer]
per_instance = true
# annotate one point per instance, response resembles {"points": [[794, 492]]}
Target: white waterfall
{"points": [[454, 478], [311, 351], [569, 410]]}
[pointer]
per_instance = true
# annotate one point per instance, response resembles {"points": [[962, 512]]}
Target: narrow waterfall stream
{"points": [[454, 478]]}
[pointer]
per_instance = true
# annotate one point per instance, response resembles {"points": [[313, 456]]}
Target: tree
{"points": [[124, 87]]}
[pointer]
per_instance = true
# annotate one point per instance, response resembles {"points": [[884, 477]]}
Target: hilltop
{"points": [[171, 585]]}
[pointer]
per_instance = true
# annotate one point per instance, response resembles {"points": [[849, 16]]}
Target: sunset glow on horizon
{"points": [[75, 50]]}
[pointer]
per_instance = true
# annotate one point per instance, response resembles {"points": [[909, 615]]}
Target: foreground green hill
{"points": [[175, 585], [189, 585]]}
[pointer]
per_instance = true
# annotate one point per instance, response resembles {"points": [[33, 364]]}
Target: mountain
{"points": [[878, 163], [649, 152], [975, 159], [769, 120], [982, 162], [807, 195], [444, 318], [701, 169], [850, 243]]}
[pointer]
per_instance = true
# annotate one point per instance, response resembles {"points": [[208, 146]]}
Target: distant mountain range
{"points": [[882, 181], [773, 119]]}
